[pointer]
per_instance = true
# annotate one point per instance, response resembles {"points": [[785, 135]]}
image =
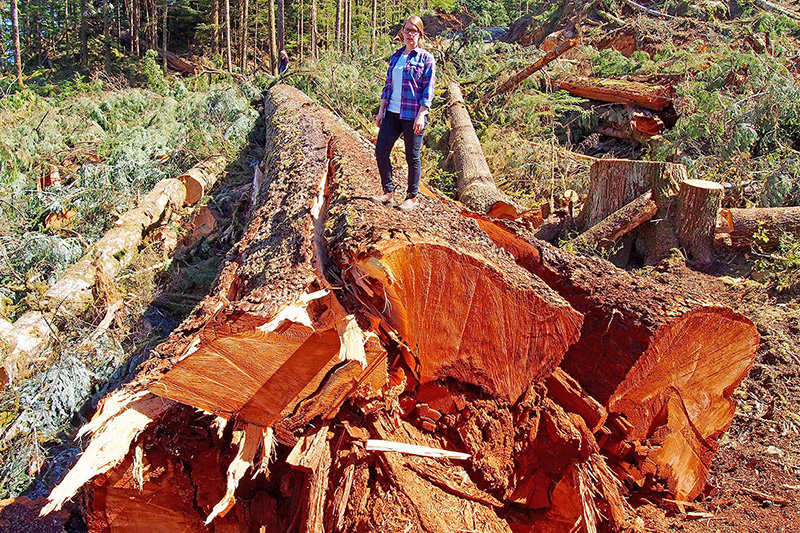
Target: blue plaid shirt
{"points": [[419, 77]]}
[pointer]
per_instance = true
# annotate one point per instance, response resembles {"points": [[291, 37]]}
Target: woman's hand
{"points": [[419, 123], [379, 119]]}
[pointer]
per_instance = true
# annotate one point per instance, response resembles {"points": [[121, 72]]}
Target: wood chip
{"points": [[377, 445]]}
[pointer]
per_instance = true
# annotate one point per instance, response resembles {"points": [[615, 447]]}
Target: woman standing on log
{"points": [[406, 97]]}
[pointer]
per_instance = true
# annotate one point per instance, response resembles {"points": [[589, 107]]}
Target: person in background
{"points": [[407, 95], [283, 62]]}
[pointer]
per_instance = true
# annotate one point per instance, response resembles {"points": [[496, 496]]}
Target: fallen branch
{"points": [[772, 7], [650, 11], [540, 63]]}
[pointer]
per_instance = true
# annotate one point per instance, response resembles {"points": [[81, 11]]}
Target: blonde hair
{"points": [[417, 22]]}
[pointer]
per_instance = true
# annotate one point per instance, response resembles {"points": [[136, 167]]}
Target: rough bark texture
{"points": [[655, 97], [476, 187], [613, 183], [738, 227], [696, 216]]}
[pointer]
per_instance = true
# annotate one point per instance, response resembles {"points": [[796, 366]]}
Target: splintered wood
{"points": [[361, 369]]}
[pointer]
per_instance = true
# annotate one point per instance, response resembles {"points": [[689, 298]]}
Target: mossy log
{"points": [[476, 187], [655, 97], [72, 294]]}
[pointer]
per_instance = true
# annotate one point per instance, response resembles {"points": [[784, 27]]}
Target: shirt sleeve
{"points": [[428, 80], [387, 87]]}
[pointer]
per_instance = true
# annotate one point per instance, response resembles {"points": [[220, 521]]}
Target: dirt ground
{"points": [[755, 478]]}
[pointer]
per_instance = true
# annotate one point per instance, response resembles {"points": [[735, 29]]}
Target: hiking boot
{"points": [[385, 199], [410, 204]]}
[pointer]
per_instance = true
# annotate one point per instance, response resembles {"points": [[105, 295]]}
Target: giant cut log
{"points": [[476, 187], [764, 226], [663, 363], [655, 97], [336, 323]]}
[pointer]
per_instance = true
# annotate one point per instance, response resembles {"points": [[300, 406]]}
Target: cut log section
{"points": [[476, 187], [696, 216], [200, 178], [665, 363], [737, 228], [655, 97]]}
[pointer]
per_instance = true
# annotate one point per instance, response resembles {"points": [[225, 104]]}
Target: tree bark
{"points": [[373, 41], [614, 183], [243, 51], [338, 26], [165, 37], [764, 226], [476, 187], [215, 33], [655, 97], [281, 26], [314, 31], [137, 9], [696, 217], [273, 49], [17, 49]]}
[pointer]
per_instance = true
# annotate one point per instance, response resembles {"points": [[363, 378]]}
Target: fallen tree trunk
{"points": [[72, 293], [476, 187], [655, 97], [742, 228], [449, 347], [178, 63], [536, 66], [664, 364]]}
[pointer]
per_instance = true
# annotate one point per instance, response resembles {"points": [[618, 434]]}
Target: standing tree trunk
{"points": [[273, 47], [84, 34], [314, 37], [153, 25], [137, 19], [281, 26], [255, 35], [300, 30], [696, 216], [215, 28], [106, 36], [17, 51], [373, 44], [165, 35], [337, 36], [243, 51], [228, 35]]}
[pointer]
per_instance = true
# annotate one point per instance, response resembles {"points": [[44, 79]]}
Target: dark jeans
{"points": [[391, 128]]}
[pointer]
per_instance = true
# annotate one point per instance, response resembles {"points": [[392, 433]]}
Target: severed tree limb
{"points": [[738, 228], [539, 64], [648, 10], [605, 233], [778, 9], [200, 178], [655, 97]]}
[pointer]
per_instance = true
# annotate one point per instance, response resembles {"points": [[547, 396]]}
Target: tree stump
{"points": [[696, 216]]}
